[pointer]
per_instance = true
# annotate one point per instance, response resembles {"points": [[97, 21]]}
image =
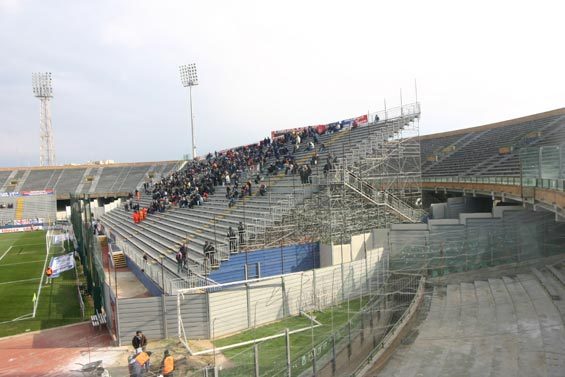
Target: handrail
{"points": [[379, 198], [551, 184], [397, 112], [360, 150]]}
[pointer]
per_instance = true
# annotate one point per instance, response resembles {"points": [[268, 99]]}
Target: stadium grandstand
{"points": [[112, 180], [44, 192], [357, 247], [453, 233]]}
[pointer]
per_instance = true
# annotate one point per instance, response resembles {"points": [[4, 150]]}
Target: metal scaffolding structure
{"points": [[43, 89], [372, 184]]}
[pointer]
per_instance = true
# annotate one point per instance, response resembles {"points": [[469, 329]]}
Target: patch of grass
{"points": [[272, 353], [21, 269]]}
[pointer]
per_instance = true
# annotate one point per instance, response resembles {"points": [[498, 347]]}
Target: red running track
{"points": [[49, 352]]}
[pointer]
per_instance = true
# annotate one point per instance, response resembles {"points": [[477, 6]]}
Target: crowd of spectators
{"points": [[200, 178], [193, 185]]}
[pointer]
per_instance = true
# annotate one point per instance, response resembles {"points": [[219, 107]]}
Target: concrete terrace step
{"points": [[551, 325], [557, 273], [531, 361], [506, 326], [547, 284], [158, 241]]}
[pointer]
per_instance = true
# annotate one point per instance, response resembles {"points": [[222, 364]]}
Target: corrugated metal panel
{"points": [[146, 314], [328, 282], [292, 287], [266, 301], [238, 308], [194, 312], [140, 314], [223, 305], [274, 261], [304, 295]]}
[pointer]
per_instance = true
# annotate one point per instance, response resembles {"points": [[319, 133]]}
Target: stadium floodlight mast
{"points": [[189, 78], [43, 89]]}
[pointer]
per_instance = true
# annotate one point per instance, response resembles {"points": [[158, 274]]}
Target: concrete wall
{"points": [[476, 240], [331, 255]]}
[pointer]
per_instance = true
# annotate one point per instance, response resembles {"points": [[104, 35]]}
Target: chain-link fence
{"points": [[333, 341]]}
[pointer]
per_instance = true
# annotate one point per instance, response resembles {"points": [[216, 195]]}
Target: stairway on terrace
{"points": [[434, 150], [450, 149]]}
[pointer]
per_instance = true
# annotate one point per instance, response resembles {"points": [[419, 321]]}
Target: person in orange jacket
{"points": [[167, 365], [140, 364], [135, 217]]}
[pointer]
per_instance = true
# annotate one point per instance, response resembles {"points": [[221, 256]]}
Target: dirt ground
{"points": [[61, 352]]}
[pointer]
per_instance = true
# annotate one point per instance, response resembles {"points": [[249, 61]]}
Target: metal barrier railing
{"points": [[552, 184]]}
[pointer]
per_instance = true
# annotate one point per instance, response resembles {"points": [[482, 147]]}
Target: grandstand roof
{"points": [[504, 123]]}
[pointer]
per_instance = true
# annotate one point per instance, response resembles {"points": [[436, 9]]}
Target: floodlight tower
{"points": [[43, 89], [189, 78]]}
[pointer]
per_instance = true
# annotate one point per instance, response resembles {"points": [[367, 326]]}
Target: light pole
{"points": [[189, 78], [43, 89]]}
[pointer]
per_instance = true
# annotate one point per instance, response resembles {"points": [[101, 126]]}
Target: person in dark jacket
{"points": [[232, 240], [139, 342], [241, 231]]}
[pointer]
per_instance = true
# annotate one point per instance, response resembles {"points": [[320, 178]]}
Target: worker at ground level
{"points": [[140, 364], [167, 365]]}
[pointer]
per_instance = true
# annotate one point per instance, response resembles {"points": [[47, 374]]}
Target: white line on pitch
{"points": [[29, 244], [20, 318], [13, 264], [3, 255], [18, 281]]}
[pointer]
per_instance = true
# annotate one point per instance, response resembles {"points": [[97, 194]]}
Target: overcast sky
{"points": [[264, 65]]}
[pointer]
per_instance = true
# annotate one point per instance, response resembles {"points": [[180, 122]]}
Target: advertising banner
{"points": [[28, 222], [60, 238], [16, 194], [37, 192], [279, 133], [322, 128], [359, 121], [21, 229], [61, 264]]}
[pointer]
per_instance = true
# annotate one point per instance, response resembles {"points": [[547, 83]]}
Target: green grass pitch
{"points": [[22, 259]]}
